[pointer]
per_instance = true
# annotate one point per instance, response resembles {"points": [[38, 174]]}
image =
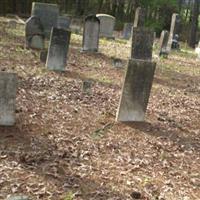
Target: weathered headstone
{"points": [[8, 89], [91, 34], [48, 14], [139, 17], [107, 24], [136, 90], [174, 31], [142, 43], [127, 31], [87, 86], [64, 22], [34, 33], [58, 49], [163, 43]]}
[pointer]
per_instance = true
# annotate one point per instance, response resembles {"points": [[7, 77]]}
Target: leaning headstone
{"points": [[34, 33], [142, 43], [136, 90], [91, 34], [163, 43], [139, 17], [107, 24], [8, 89], [174, 31], [58, 49], [127, 31], [48, 14], [64, 22]]}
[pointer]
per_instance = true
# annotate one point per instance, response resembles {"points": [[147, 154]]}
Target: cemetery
{"points": [[90, 110]]}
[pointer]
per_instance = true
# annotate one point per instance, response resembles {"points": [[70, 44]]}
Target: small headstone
{"points": [[48, 14], [136, 90], [139, 17], [91, 34], [127, 31], [58, 49], [174, 32], [163, 43], [43, 56], [8, 89], [34, 33], [64, 22], [107, 24], [18, 197], [142, 43], [87, 87]]}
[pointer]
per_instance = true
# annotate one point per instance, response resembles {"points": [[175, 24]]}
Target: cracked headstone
{"points": [[58, 49], [8, 90], [91, 34]]}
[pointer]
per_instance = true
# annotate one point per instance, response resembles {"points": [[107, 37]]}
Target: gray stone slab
{"points": [[8, 90], [91, 34], [48, 14], [163, 43], [142, 43], [139, 17], [136, 91], [107, 24], [76, 25], [34, 33], [127, 31], [64, 22], [58, 49], [174, 30]]}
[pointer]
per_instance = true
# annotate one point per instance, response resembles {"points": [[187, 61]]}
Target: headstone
{"points": [[91, 34], [34, 33], [139, 17], [58, 49], [8, 89], [136, 90], [174, 31], [48, 14], [163, 43], [142, 43], [87, 87], [107, 24], [127, 31], [76, 25], [64, 22], [43, 56]]}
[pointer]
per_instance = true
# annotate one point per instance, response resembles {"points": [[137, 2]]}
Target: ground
{"points": [[66, 144]]}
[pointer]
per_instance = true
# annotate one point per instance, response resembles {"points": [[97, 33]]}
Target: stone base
{"points": [[136, 91]]}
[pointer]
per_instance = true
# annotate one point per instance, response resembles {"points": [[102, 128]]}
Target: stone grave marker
{"points": [[87, 86], [107, 24], [8, 90], [139, 17], [142, 43], [91, 34], [76, 25], [64, 22], [163, 43], [48, 14], [138, 78], [58, 49], [34, 33], [174, 32], [127, 31]]}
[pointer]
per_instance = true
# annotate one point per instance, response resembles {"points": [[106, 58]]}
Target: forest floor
{"points": [[67, 145]]}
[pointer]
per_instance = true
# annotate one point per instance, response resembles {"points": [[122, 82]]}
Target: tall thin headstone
{"points": [[8, 90], [139, 17], [48, 14], [127, 31], [107, 24], [58, 49], [34, 33], [91, 34], [174, 30], [142, 43], [163, 43], [138, 79]]}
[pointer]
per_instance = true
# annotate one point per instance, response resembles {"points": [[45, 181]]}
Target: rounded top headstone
{"points": [[105, 15]]}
